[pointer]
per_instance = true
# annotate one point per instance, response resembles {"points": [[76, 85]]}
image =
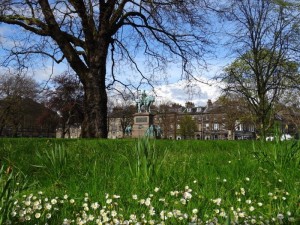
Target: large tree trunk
{"points": [[263, 126], [95, 104], [94, 123]]}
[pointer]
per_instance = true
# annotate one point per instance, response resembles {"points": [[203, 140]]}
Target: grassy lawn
{"points": [[149, 182]]}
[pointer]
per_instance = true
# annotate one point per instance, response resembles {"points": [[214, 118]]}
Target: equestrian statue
{"points": [[145, 101]]}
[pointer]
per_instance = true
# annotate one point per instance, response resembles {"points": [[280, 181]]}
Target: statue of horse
{"points": [[146, 102]]}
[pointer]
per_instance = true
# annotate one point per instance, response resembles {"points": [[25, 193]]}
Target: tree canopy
{"points": [[187, 126], [16, 91], [66, 99], [261, 89], [96, 36], [265, 44]]}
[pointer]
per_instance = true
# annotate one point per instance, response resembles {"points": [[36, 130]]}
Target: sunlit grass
{"points": [[154, 182]]}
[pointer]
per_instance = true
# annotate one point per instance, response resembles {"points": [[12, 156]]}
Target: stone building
{"points": [[214, 121], [115, 130], [73, 131]]}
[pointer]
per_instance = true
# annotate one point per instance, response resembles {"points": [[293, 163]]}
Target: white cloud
{"points": [[44, 72], [182, 91], [179, 92]]}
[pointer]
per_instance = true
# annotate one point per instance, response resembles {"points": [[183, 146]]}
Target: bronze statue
{"points": [[145, 101]]}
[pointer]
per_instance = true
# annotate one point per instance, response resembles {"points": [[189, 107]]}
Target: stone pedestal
{"points": [[142, 121]]}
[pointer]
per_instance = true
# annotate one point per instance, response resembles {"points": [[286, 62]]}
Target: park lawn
{"points": [[59, 181]]}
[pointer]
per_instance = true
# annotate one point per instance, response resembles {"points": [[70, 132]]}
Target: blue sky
{"points": [[170, 89]]}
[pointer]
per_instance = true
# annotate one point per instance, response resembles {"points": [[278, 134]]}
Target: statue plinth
{"points": [[142, 121]]}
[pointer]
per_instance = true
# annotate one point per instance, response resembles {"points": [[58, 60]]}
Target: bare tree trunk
{"points": [[1, 128], [263, 127], [2, 124], [95, 105], [95, 122], [63, 127], [68, 131], [15, 129]]}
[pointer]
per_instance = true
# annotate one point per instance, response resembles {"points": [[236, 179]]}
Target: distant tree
{"points": [[66, 98], [176, 107], [289, 110], [189, 104], [262, 40], [14, 89], [187, 127], [121, 109], [260, 89], [167, 118], [92, 35], [235, 112], [47, 120], [125, 114]]}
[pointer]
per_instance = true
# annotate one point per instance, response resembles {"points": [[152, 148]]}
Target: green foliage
{"points": [[241, 71], [260, 77], [227, 172], [11, 185], [187, 127], [148, 161], [286, 4], [53, 162], [280, 155]]}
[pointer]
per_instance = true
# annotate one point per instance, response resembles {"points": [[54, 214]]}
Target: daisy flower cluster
{"points": [[36, 208], [247, 210], [174, 207]]}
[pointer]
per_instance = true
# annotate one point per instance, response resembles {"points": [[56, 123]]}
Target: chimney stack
{"points": [[209, 103]]}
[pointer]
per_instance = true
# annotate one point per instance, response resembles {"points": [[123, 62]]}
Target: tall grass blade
{"points": [[53, 162]]}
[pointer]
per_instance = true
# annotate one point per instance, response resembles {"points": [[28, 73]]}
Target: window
{"points": [[251, 128], [216, 126], [239, 127]]}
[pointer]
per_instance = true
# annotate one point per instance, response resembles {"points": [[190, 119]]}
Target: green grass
{"points": [[228, 180]]}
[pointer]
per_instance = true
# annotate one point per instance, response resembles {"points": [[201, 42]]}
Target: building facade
{"points": [[212, 122], [215, 121]]}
